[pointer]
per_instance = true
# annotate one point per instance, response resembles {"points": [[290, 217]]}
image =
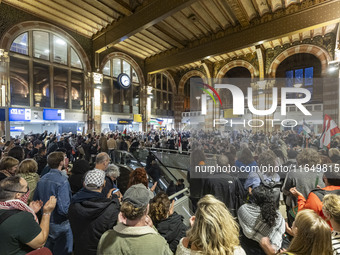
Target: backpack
{"points": [[273, 186]]}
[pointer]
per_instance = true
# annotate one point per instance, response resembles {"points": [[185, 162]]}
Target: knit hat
{"points": [[94, 178]]}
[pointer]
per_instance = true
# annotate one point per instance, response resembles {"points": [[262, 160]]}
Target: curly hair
{"points": [[138, 176], [264, 200], [159, 207], [331, 204], [131, 212]]}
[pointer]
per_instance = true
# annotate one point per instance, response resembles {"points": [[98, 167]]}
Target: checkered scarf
{"points": [[255, 228], [16, 204]]}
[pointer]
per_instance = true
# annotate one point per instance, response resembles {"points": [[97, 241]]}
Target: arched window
{"points": [[300, 71], [162, 99], [238, 76], [115, 98], [45, 71]]}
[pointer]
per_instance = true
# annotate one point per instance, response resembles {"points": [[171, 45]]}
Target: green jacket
{"points": [[125, 240]]}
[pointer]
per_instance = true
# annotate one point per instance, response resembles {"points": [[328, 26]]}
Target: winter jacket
{"points": [[172, 229], [124, 239], [90, 215], [227, 189]]}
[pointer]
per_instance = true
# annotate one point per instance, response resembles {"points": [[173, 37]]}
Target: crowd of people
{"points": [[59, 195]]}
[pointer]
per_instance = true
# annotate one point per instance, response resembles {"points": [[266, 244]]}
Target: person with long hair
{"points": [[28, 170], [312, 235], [213, 231], [168, 223], [139, 175], [260, 219]]}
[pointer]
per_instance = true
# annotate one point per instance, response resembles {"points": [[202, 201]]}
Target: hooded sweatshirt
{"points": [[90, 215]]}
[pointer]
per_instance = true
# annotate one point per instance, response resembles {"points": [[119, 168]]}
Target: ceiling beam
{"points": [[315, 16], [151, 14]]}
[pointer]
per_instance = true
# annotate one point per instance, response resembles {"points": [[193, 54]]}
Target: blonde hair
{"points": [[28, 166], [331, 203], [8, 162], [313, 235], [333, 151], [214, 230]]}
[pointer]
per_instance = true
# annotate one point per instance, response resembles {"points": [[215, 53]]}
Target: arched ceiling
{"points": [[176, 33]]}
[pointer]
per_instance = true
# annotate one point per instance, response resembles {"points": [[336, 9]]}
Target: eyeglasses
{"points": [[24, 192]]}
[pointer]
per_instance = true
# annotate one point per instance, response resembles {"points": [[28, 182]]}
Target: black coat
{"points": [[227, 189], [90, 218], [172, 229]]}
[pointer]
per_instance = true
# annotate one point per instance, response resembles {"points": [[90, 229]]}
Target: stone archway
{"points": [[317, 51]]}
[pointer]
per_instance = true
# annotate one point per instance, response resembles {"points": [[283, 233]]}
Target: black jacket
{"points": [[90, 215], [227, 189], [172, 229]]}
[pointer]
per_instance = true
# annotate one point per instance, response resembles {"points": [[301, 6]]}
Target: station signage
{"points": [[19, 114], [124, 121]]}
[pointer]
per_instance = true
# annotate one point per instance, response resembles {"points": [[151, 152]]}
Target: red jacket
{"points": [[315, 197]]}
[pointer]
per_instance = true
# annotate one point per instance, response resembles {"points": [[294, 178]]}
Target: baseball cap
{"points": [[138, 195], [94, 177]]}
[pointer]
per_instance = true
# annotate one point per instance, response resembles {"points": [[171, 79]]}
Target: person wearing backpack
{"points": [[331, 178], [254, 180]]}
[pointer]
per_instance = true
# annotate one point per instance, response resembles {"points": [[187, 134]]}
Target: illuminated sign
{"points": [[124, 121], [19, 114]]}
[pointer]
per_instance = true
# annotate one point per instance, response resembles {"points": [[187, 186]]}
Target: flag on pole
{"points": [[160, 121], [124, 133], [330, 130], [306, 129], [179, 143]]}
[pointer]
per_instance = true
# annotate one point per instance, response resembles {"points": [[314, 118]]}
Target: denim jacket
{"points": [[54, 183]]}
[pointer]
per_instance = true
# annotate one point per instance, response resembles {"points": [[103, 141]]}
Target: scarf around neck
{"points": [[16, 204]]}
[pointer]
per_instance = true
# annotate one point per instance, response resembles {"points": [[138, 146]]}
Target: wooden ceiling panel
{"points": [[226, 10], [189, 24], [104, 8], [91, 13], [155, 38], [146, 39], [146, 50], [195, 17], [173, 23], [166, 36], [249, 8], [261, 6], [206, 18], [66, 15], [215, 13], [129, 51], [143, 43], [163, 26], [275, 4], [41, 13], [119, 6]]}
